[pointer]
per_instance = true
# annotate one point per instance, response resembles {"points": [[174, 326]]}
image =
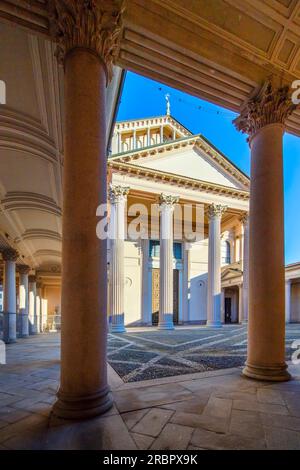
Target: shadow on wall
{"points": [[197, 299]]}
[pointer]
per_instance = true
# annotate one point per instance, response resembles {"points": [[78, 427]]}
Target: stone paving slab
{"points": [[217, 409]]}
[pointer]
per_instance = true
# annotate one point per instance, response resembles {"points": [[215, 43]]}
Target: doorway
{"points": [[155, 295]]}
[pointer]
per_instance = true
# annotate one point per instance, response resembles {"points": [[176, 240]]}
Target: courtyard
{"points": [[148, 353], [193, 405]]}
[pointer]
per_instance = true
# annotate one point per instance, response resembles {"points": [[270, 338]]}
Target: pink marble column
{"points": [[263, 119], [87, 34]]}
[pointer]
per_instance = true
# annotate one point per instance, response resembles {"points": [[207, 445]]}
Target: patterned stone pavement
{"points": [[144, 353], [216, 409]]}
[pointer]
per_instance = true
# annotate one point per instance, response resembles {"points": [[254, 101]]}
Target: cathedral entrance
{"points": [[227, 309], [155, 295]]}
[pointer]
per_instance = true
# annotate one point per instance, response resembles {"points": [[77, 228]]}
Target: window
{"points": [[225, 252], [154, 249], [177, 250]]}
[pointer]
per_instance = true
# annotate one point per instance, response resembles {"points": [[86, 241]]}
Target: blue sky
{"points": [[144, 98]]}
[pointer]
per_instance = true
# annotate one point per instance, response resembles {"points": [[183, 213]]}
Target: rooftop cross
{"points": [[167, 96]]}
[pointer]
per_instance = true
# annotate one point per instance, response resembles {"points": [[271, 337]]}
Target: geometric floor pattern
{"points": [[147, 353], [218, 409]]}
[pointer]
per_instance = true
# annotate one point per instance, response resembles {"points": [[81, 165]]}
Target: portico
{"points": [[91, 37]]}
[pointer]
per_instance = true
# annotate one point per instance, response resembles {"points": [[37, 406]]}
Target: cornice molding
{"points": [[182, 181], [88, 24], [33, 234], [16, 200], [19, 132]]}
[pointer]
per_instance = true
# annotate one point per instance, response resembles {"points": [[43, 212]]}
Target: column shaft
{"points": [[118, 196], [266, 343], [9, 301], [24, 304], [288, 286], [245, 267], [165, 321], [214, 267], [84, 391], [32, 306]]}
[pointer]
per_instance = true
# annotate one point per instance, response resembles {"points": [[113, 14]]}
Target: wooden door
{"points": [[155, 295]]}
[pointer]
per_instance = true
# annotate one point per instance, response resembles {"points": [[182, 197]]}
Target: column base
{"points": [[85, 407], [9, 327], [165, 326], [118, 329], [276, 373], [214, 324]]}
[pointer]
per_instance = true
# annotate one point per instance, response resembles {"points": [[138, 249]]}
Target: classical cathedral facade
{"points": [[157, 161]]}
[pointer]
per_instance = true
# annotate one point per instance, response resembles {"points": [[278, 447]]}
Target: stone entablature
{"points": [[182, 181]]}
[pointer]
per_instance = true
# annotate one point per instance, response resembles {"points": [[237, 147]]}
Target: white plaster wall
{"points": [[198, 282], [295, 302], [132, 269], [190, 163]]}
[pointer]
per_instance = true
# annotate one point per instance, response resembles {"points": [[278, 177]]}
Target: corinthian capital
{"points": [[9, 254], [118, 193], [90, 24], [216, 210], [271, 106], [168, 199], [23, 268]]}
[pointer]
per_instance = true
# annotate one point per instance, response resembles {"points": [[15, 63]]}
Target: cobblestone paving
{"points": [[147, 353]]}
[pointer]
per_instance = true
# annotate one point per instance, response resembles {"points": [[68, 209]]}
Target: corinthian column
{"points": [[32, 306], [87, 33], [215, 212], [10, 257], [263, 119], [117, 196], [24, 300], [245, 267], [165, 321]]}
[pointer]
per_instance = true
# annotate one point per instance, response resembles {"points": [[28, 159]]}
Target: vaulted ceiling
{"points": [[31, 147]]}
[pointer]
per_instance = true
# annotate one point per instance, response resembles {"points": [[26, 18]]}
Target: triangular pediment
{"points": [[190, 157]]}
